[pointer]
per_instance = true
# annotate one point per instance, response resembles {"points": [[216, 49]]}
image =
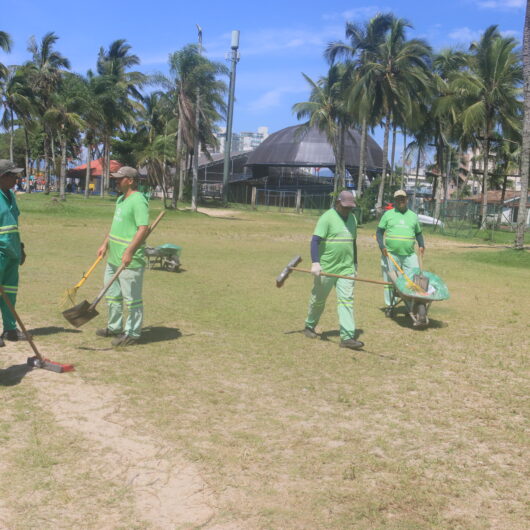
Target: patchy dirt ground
{"points": [[168, 491]]}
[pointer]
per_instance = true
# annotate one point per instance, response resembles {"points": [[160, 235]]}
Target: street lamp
{"points": [[234, 56]]}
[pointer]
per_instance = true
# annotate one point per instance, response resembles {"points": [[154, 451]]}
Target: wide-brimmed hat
{"points": [[6, 166], [125, 171], [346, 199], [400, 193]]}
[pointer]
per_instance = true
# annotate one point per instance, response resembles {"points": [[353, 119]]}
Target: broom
{"points": [[70, 293]]}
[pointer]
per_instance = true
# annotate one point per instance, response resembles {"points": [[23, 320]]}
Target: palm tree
{"points": [[397, 77], [525, 151], [5, 44], [326, 110], [45, 70], [488, 90], [364, 40], [64, 117], [188, 70], [117, 93], [16, 100]]}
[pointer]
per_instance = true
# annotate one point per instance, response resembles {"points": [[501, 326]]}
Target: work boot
{"points": [[13, 335], [310, 333], [106, 332], [352, 344], [124, 340], [2, 343]]}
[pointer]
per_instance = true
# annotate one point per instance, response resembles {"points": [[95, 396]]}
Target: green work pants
{"points": [[407, 264], [127, 289], [9, 282], [322, 286]]}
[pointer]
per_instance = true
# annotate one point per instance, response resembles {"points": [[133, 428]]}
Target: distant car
{"points": [[428, 220]]}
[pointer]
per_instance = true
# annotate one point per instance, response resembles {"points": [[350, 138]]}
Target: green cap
{"points": [[6, 166]]}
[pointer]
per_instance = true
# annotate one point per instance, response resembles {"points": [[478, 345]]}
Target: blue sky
{"points": [[279, 39]]}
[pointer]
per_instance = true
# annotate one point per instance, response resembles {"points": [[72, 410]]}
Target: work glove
{"points": [[22, 254], [384, 251], [316, 269]]}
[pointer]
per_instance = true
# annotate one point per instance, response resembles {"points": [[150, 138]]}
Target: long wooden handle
{"points": [[88, 272], [354, 278], [121, 267], [21, 324]]}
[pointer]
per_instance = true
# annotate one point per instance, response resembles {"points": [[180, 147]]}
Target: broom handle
{"points": [[21, 324], [355, 279], [121, 267], [88, 272]]}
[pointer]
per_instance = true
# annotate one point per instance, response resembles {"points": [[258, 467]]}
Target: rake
{"points": [[70, 293]]}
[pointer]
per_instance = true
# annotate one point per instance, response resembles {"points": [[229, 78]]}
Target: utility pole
{"points": [[234, 56], [196, 143]]}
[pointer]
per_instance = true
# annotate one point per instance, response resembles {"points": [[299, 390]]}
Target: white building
{"points": [[245, 141]]}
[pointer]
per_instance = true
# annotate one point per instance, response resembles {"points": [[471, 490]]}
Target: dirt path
{"points": [[169, 492]]}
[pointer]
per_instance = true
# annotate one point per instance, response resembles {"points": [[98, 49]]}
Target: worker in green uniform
{"points": [[124, 244], [397, 233], [334, 250], [11, 248]]}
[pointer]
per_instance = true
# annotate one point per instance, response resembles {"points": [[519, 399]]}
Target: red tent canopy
{"points": [[96, 168]]}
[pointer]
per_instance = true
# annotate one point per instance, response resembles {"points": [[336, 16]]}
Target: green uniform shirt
{"points": [[400, 231], [9, 236], [130, 213], [336, 248]]}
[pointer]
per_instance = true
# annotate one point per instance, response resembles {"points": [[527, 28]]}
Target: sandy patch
{"points": [[169, 492]]}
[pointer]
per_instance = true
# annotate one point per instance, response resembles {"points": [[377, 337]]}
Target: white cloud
{"points": [[465, 34], [501, 4], [275, 98], [268, 41], [364, 13]]}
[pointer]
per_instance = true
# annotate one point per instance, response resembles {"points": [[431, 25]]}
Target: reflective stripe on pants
{"points": [[322, 286], [9, 282], [127, 288]]}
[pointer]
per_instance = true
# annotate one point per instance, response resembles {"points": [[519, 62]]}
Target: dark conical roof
{"points": [[298, 147]]}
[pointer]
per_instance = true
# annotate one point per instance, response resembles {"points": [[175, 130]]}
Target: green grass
{"points": [[424, 429]]}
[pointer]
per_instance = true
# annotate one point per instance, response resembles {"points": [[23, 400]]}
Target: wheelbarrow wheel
{"points": [[422, 314]]}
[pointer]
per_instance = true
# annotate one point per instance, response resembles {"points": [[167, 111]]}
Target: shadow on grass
{"points": [[150, 335], [159, 334], [50, 330], [14, 374]]}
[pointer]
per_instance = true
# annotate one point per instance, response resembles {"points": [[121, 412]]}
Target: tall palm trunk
{"points": [[340, 168], [26, 158], [88, 172], [11, 136], [418, 160], [103, 164], [47, 162], [484, 210], [195, 175], [180, 169], [402, 184], [393, 157], [362, 158], [525, 147], [62, 176], [379, 203]]}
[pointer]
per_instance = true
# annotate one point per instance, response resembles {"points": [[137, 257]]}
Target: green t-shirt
{"points": [[336, 248], [130, 213], [400, 231]]}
